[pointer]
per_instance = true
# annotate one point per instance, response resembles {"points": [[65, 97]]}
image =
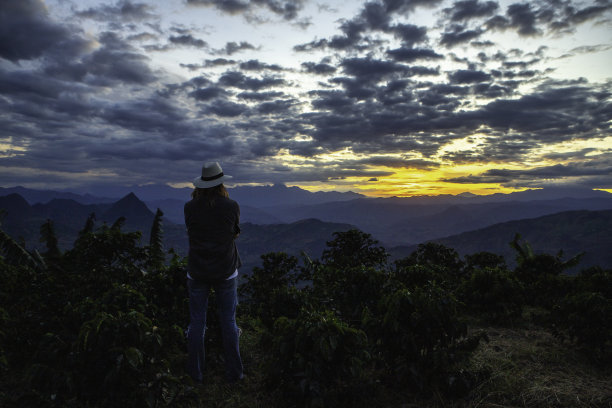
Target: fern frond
{"points": [[16, 254], [118, 224], [47, 235], [89, 224], [156, 248]]}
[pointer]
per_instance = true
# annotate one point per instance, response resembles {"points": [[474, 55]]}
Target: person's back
{"points": [[212, 225]]}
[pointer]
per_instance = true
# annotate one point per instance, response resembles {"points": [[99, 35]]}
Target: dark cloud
{"points": [[27, 32], [117, 61], [124, 10], [554, 112], [458, 34], [318, 68], [237, 79], [466, 76], [233, 47], [396, 162], [288, 9], [469, 9], [409, 33], [259, 96], [256, 65], [523, 18], [575, 173], [374, 16], [187, 39], [205, 94], [413, 54], [275, 107], [226, 108], [538, 18], [80, 111]]}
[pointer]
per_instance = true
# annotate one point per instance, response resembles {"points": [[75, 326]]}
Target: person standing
{"points": [[212, 220]]}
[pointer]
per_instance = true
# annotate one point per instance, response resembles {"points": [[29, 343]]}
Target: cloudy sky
{"points": [[384, 97]]}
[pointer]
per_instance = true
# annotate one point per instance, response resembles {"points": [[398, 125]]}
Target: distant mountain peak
{"points": [[130, 207], [467, 194]]}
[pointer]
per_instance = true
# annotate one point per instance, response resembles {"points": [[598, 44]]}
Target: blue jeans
{"points": [[227, 300]]}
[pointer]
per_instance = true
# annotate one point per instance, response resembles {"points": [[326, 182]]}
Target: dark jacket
{"points": [[213, 255]]}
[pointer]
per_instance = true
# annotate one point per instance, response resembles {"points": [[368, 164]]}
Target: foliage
{"points": [[586, 317], [348, 291], [92, 326], [421, 338], [540, 273], [493, 294], [433, 253], [47, 235], [484, 260], [316, 357], [15, 254], [270, 291], [156, 248], [354, 248], [431, 262], [102, 324]]}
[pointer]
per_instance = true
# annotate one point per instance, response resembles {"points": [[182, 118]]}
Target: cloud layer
{"points": [[387, 94]]}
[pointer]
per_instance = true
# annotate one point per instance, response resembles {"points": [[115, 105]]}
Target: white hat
{"points": [[212, 175]]}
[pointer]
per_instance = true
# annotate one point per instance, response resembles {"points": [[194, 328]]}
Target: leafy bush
{"points": [[494, 294], [421, 338], [431, 261], [348, 291], [541, 274], [354, 248], [270, 291], [86, 326], [586, 318], [316, 357], [414, 276]]}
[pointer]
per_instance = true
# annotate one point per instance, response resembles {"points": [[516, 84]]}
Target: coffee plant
{"points": [[493, 294], [316, 358]]}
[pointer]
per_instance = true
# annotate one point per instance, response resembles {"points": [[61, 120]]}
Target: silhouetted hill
{"points": [[279, 194], [15, 206], [68, 216], [67, 211], [255, 196], [173, 211], [33, 196], [399, 221], [571, 231], [135, 211]]}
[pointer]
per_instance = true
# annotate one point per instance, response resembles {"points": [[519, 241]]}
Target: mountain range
{"points": [[573, 232], [289, 219]]}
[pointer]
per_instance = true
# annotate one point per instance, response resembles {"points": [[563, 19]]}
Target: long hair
{"points": [[209, 194]]}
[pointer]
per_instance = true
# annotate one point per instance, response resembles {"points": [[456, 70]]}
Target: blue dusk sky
{"points": [[382, 97]]}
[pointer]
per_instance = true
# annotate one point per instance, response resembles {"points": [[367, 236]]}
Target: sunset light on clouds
{"points": [[382, 97]]}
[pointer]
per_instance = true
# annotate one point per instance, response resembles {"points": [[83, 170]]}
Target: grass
{"points": [[531, 368]]}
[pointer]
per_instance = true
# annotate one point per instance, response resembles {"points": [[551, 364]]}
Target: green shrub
{"points": [[494, 294], [349, 291], [431, 262], [316, 358], [586, 318], [270, 291], [422, 339], [116, 356], [354, 248]]}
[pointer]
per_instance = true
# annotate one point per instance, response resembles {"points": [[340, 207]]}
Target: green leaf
{"points": [[133, 356]]}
